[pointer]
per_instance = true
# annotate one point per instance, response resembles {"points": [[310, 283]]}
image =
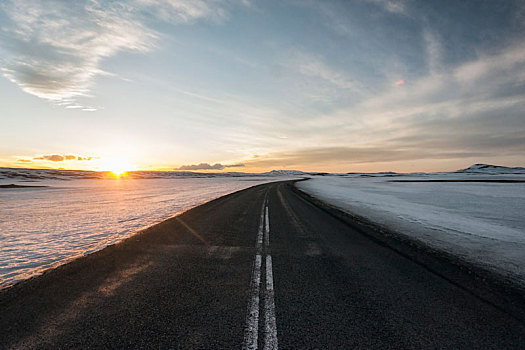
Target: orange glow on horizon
{"points": [[117, 166], [118, 173]]}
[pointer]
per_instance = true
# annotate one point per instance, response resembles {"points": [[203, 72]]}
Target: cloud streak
{"points": [[184, 11], [314, 67], [347, 156], [61, 158], [207, 166], [393, 6]]}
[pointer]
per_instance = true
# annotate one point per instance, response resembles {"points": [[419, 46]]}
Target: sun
{"points": [[118, 171], [117, 166]]}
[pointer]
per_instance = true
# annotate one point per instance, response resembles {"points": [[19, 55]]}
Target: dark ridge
{"points": [[19, 186]]}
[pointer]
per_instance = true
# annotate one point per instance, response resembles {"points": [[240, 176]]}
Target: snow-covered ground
{"points": [[82, 212], [481, 222]]}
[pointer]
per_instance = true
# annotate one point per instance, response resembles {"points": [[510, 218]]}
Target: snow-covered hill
{"points": [[492, 169]]}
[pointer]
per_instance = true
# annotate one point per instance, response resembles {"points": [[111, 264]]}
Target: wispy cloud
{"points": [[338, 19], [433, 50], [54, 49], [207, 166], [316, 79], [185, 11], [313, 66], [394, 6]]}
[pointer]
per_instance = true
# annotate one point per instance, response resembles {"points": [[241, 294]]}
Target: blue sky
{"points": [[364, 85]]}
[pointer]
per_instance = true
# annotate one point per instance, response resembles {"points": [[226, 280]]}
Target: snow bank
{"points": [[483, 223]]}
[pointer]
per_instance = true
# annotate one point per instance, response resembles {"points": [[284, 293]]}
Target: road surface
{"points": [[261, 268]]}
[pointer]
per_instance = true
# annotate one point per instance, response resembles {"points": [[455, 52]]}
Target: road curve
{"points": [[261, 268]]}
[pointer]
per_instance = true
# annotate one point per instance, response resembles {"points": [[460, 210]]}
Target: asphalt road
{"points": [[261, 268]]}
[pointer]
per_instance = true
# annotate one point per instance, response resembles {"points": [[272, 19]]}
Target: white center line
{"points": [[267, 229], [270, 327], [252, 319], [259, 243]]}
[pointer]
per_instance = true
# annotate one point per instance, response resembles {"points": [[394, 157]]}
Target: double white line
{"points": [[251, 333]]}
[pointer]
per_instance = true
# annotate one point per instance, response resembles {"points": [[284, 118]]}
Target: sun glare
{"points": [[118, 172], [117, 166]]}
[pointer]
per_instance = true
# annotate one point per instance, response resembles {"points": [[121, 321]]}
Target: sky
{"points": [[245, 85]]}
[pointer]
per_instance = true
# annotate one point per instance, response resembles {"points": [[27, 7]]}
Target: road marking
{"points": [[251, 332], [270, 327], [252, 321], [267, 229], [259, 242]]}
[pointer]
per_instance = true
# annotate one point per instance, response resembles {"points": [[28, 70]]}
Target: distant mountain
{"points": [[491, 169], [379, 174], [285, 173]]}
